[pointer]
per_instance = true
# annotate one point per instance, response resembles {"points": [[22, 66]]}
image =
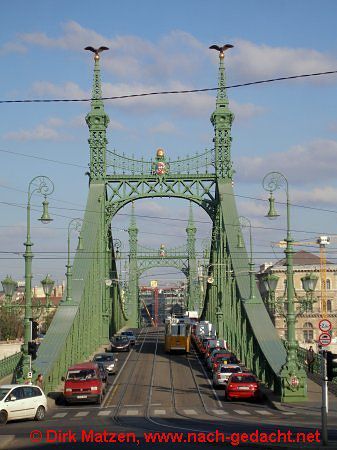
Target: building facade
{"points": [[308, 307]]}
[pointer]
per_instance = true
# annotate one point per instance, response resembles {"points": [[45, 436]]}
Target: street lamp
{"points": [[47, 284], [74, 225], [269, 283], [44, 186], [293, 376], [245, 222], [9, 286]]}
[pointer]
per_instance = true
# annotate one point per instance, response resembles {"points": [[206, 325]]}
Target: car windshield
{"points": [[244, 379], [104, 357], [83, 374], [230, 369], [120, 339], [127, 333], [3, 392]]}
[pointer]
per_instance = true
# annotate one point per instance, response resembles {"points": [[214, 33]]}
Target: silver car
{"points": [[108, 360], [224, 371], [130, 335]]}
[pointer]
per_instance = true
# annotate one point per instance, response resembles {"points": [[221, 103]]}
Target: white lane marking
{"points": [[5, 440], [219, 411], [116, 379], [155, 404], [132, 406], [242, 412], [209, 382], [104, 413], [190, 412], [263, 412], [82, 414], [59, 415], [132, 412], [160, 412], [288, 413]]}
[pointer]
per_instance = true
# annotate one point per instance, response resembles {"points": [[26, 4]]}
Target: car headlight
{"points": [[111, 366], [68, 390]]}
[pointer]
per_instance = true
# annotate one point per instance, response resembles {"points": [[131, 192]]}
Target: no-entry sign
{"points": [[325, 325], [324, 339]]}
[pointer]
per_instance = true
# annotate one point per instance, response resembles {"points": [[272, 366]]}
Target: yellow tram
{"points": [[177, 334]]}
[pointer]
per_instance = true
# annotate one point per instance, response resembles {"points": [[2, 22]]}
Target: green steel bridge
{"points": [[97, 309]]}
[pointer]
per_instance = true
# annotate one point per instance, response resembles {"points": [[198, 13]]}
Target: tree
{"points": [[11, 324]]}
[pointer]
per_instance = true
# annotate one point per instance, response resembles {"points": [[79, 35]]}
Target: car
{"points": [[243, 385], [22, 402], [216, 352], [84, 383], [120, 344], [130, 335], [108, 360], [223, 372]]}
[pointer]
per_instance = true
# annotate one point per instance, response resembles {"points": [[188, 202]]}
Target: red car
{"points": [[244, 385]]}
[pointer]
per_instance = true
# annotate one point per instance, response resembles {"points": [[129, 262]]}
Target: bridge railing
{"points": [[8, 364], [302, 357]]}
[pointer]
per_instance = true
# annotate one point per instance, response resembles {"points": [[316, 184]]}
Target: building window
{"points": [[328, 305], [328, 284], [308, 332]]}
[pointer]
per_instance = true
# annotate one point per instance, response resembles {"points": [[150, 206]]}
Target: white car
{"points": [[224, 371], [19, 401]]}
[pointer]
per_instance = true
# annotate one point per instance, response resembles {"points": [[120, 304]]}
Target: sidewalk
{"points": [[313, 404]]}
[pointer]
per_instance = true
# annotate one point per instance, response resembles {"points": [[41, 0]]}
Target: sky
{"points": [[288, 126]]}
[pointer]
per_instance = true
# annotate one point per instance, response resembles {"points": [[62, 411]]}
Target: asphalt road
{"points": [[157, 392]]}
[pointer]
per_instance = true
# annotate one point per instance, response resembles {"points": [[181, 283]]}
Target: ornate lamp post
{"points": [[74, 225], [44, 186], [293, 376], [245, 222], [269, 283], [9, 286], [47, 284]]}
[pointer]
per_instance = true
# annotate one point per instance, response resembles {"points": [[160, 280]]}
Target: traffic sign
{"points": [[324, 339], [325, 325]]}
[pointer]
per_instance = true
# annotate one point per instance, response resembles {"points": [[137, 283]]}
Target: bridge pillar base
{"points": [[293, 384]]}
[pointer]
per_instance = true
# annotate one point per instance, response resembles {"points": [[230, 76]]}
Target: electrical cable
{"points": [[182, 91]]}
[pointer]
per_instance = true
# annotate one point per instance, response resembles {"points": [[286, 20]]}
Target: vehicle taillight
{"points": [[252, 387], [218, 376], [230, 386], [94, 388], [68, 390]]}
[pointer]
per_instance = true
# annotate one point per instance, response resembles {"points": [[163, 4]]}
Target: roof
{"points": [[302, 258], [84, 365], [11, 386]]}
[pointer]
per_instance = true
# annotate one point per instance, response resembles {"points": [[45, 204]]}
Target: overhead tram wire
{"points": [[296, 205], [170, 235], [182, 91]]}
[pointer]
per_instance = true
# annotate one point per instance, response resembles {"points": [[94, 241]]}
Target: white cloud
{"points": [[12, 47], [318, 195], [312, 162], [250, 60], [65, 90], [163, 127], [39, 133], [244, 111]]}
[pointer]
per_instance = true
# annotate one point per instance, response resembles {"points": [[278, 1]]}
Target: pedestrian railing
{"points": [[8, 364], [317, 374]]}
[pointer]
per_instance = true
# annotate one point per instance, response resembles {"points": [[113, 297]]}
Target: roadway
{"points": [[154, 391]]}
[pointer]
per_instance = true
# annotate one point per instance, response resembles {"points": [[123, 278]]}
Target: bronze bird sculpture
{"points": [[221, 49], [96, 50]]}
